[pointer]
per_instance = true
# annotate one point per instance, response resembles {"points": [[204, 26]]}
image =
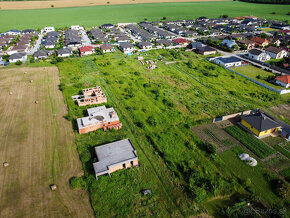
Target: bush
{"points": [[151, 121], [281, 188], [77, 183], [211, 148], [18, 63]]}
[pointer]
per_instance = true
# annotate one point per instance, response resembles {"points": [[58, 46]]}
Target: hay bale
{"points": [[31, 81], [10, 93], [36, 102], [53, 187], [5, 164]]}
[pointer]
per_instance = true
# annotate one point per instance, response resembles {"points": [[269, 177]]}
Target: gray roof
{"points": [[260, 121], [228, 60], [40, 53], [126, 45], [17, 56], [255, 52], [64, 51], [113, 153]]}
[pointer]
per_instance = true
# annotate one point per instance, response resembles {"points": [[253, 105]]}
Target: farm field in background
{"points": [[158, 109], [97, 15], [37, 4], [39, 145]]}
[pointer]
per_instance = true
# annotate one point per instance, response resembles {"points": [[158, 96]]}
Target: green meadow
{"points": [[158, 108], [96, 15]]}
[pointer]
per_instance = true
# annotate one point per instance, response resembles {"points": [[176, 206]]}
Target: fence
{"points": [[227, 117], [281, 92]]}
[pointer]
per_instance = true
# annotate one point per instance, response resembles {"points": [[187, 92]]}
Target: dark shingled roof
{"points": [[260, 122], [255, 52]]}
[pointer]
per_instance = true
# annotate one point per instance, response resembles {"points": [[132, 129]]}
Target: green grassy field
{"points": [[253, 72], [158, 109], [91, 16]]}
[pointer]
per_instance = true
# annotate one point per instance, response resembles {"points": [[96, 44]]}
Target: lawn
{"points": [[254, 72], [97, 15], [158, 108], [258, 177]]}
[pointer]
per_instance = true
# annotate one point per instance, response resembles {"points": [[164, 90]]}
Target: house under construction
{"points": [[91, 96], [99, 117]]}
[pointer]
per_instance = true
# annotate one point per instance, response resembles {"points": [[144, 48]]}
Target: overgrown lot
{"points": [[158, 109]]}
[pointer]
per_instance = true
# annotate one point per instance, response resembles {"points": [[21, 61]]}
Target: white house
{"points": [[77, 27], [229, 61], [283, 81], [259, 55], [127, 48], [276, 53], [228, 43], [64, 52], [48, 29], [18, 57], [107, 48]]}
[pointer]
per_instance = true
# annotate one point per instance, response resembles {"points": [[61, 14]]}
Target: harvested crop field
{"points": [[20, 5], [38, 144]]}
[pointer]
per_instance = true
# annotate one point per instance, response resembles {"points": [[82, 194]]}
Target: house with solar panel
{"points": [[115, 156], [259, 124]]}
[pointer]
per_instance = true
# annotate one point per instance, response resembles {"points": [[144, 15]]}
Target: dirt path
{"points": [[38, 144], [20, 5]]}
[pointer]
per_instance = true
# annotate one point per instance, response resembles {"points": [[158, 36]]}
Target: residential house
{"points": [[276, 53], [145, 45], [247, 43], [28, 31], [259, 124], [86, 50], [48, 29], [283, 81], [127, 48], [229, 61], [12, 32], [181, 41], [107, 26], [228, 43], [260, 41], [115, 156], [91, 96], [42, 54], [64, 52], [206, 50], [259, 55], [18, 57], [99, 118], [165, 42], [107, 48], [76, 27], [195, 45]]}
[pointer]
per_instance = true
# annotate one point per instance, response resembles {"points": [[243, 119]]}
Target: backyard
{"points": [[258, 74], [158, 109]]}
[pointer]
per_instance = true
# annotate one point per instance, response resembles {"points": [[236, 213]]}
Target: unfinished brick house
{"points": [[99, 117], [91, 96], [115, 156]]}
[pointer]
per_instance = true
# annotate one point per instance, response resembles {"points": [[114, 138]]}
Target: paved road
{"points": [[86, 38], [37, 45]]}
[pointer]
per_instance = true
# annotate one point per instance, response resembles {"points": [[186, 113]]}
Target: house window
{"points": [[124, 165], [132, 163]]}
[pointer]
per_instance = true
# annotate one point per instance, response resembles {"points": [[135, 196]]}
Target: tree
{"points": [[164, 18]]}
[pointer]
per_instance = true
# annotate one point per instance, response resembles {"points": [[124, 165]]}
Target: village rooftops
{"points": [[285, 79], [113, 155], [260, 121], [274, 50]]}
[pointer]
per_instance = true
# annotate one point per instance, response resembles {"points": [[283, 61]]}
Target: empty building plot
{"points": [[99, 117], [115, 156], [91, 96]]}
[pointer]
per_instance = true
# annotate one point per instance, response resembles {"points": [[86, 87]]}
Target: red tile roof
{"points": [[86, 48], [284, 79], [180, 41], [259, 40]]}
